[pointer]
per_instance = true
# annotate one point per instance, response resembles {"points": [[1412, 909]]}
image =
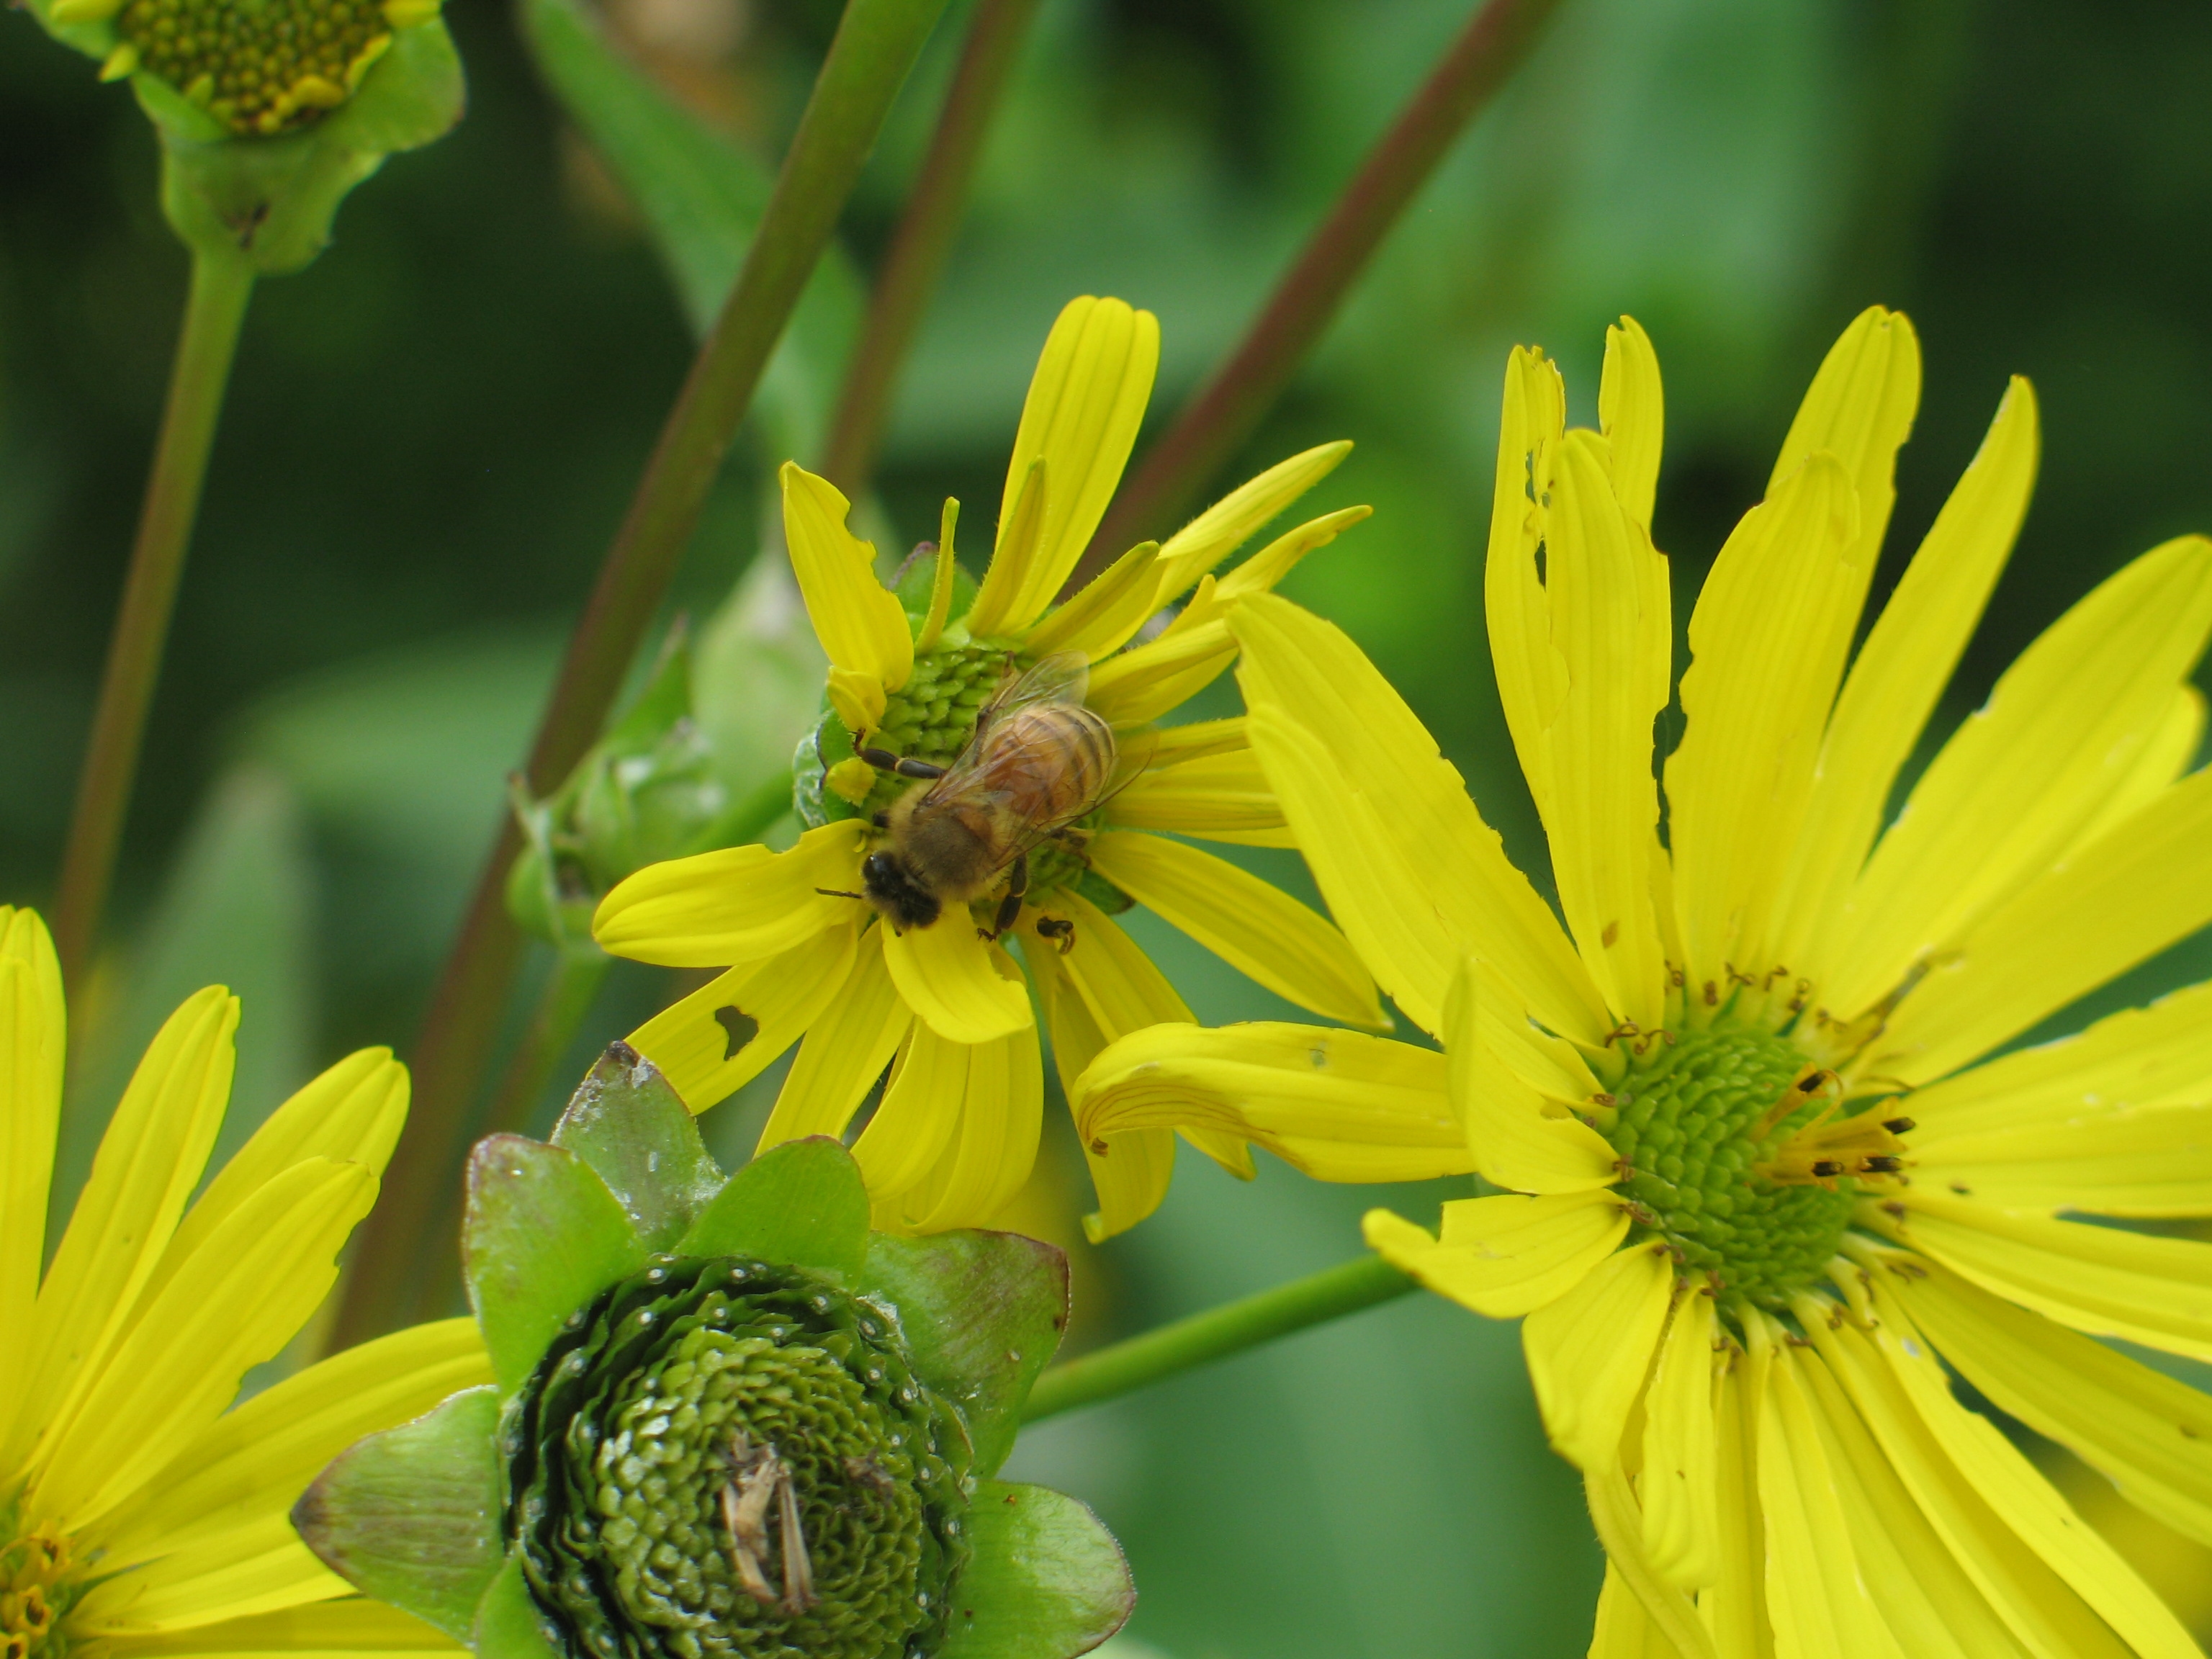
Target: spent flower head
{"points": [[726, 1419], [934, 992], [137, 1515], [1763, 1183]]}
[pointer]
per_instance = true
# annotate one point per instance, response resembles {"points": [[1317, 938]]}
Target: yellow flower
{"points": [[139, 1517], [1756, 1182], [955, 1132]]}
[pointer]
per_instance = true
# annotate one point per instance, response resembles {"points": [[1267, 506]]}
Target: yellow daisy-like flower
{"points": [[139, 1517], [1759, 1183], [955, 1132]]}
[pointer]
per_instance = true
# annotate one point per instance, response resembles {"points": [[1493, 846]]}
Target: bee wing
{"points": [[1063, 677]]}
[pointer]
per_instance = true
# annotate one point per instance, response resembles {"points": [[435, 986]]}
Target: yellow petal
{"points": [[1606, 590], [1633, 413], [994, 1141], [1217, 796], [844, 1053], [2154, 1291], [1590, 1351], [2010, 1485], [149, 1162], [1532, 679], [724, 1034], [2111, 905], [1675, 1628], [1734, 1606], [2150, 1434], [859, 621], [1150, 680], [2153, 1163], [857, 698], [1860, 409], [1766, 647], [1250, 924], [1080, 419], [235, 1301], [1407, 865], [2162, 762], [1102, 618], [1900, 672], [736, 905], [260, 1570], [1504, 1256], [2136, 1060], [920, 1108], [2019, 779], [352, 1627], [1260, 572], [255, 1461], [1110, 972], [1679, 1483], [1226, 525], [1516, 1138], [967, 991], [945, 567], [32, 1037]]}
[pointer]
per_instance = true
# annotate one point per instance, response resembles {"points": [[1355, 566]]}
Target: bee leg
{"points": [[1010, 907], [905, 765], [1057, 928]]}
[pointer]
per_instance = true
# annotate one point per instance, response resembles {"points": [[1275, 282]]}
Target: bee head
{"points": [[892, 889]]}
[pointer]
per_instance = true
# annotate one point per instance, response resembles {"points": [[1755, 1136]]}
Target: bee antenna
{"points": [[839, 892]]}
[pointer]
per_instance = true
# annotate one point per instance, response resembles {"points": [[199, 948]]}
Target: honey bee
{"points": [[1039, 761]]}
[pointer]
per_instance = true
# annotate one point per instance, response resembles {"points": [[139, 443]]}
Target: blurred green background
{"points": [[432, 432]]}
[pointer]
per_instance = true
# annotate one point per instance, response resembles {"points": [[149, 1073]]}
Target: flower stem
{"points": [[221, 283], [1225, 411], [1215, 1334], [924, 238], [400, 1269]]}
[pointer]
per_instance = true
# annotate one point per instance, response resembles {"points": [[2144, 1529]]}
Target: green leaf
{"points": [[411, 1515], [544, 1236], [634, 1130], [981, 1313], [802, 1203], [701, 197], [509, 1625], [1047, 1581]]}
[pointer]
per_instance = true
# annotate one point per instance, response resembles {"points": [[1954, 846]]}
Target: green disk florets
{"points": [[259, 66], [932, 717], [1695, 1119], [720, 1457]]}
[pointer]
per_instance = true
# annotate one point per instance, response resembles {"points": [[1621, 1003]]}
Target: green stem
{"points": [[221, 284], [924, 238], [570, 990], [1225, 411], [401, 1265], [1203, 1338]]}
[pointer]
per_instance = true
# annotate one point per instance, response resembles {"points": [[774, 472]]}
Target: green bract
{"points": [[728, 1419]]}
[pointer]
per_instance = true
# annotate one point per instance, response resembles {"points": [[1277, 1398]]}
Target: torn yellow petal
{"points": [[2162, 762], [347, 1627], [844, 1052], [1590, 1351], [713, 1043], [1608, 600], [1226, 525], [2157, 1292], [859, 621], [857, 698], [993, 1143], [1532, 680], [966, 990], [1335, 1105], [1104, 617], [1860, 409], [1767, 642], [2110, 906], [1148, 680], [1899, 675], [2018, 781], [32, 1039], [1080, 419], [1260, 572], [1631, 413], [1516, 1137], [1250, 924], [1680, 1476], [1216, 797], [1677, 1631], [234, 1302], [149, 1160], [1504, 1256], [735, 905], [1385, 821]]}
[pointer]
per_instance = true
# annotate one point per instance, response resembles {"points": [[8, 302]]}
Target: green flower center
{"points": [[724, 1458], [39, 1583], [259, 66], [1697, 1120]]}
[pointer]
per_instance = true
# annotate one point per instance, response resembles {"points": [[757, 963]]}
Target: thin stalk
{"points": [[1223, 412], [401, 1270], [221, 283], [1218, 1333], [570, 990], [924, 238]]}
